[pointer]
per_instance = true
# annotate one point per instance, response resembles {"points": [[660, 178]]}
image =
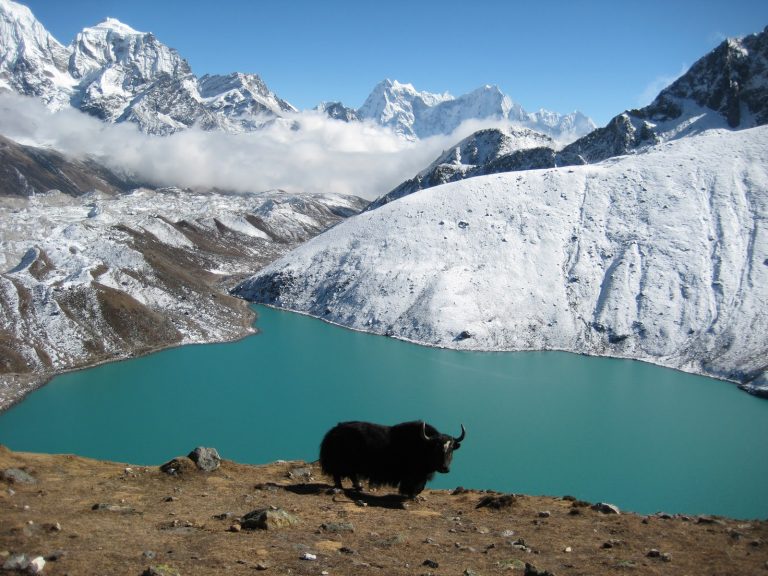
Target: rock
{"points": [[338, 527], [531, 570], [176, 466], [653, 553], [112, 508], [16, 562], [459, 490], [268, 519], [430, 563], [606, 508], [160, 570], [309, 556], [497, 502], [206, 459], [56, 555], [36, 565], [235, 527], [148, 554], [303, 473], [464, 335], [545, 514], [17, 476]]}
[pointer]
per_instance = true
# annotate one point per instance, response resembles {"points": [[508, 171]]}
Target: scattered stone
{"points": [[430, 563], [170, 499], [235, 528], [606, 508], [568, 549], [268, 519], [708, 520], [148, 555], [653, 553], [338, 527], [206, 459], [459, 490], [545, 514], [666, 557], [346, 550], [36, 565], [17, 476], [177, 466], [261, 566], [309, 556], [112, 508], [16, 562], [224, 516], [463, 224], [507, 533], [160, 570], [463, 335], [52, 527], [56, 555], [664, 516], [497, 502], [304, 474], [531, 570]]}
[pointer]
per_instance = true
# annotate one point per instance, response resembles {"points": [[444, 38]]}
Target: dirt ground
{"points": [[103, 518]]}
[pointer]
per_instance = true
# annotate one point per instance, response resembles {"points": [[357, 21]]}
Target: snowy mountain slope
{"points": [[90, 276], [469, 158], [414, 114], [119, 74], [661, 257]]}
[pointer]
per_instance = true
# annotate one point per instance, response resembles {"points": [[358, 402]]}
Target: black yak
{"points": [[405, 456]]}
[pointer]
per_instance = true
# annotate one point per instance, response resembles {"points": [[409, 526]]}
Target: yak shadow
{"points": [[392, 501]]}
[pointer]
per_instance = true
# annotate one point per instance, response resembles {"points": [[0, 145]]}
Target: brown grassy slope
{"points": [[183, 525]]}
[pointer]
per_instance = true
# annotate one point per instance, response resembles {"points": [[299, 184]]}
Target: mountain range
{"points": [[119, 74], [727, 88]]}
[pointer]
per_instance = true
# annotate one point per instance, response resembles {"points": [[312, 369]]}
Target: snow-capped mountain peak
{"points": [[31, 60], [414, 114], [117, 26]]}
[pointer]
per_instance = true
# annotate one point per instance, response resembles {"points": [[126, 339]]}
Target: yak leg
{"points": [[411, 488], [337, 481], [356, 484]]}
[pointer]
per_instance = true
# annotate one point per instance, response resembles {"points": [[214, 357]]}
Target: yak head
{"points": [[441, 447]]}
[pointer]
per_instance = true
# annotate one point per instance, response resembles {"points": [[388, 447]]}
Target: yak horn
{"points": [[463, 433], [424, 430]]}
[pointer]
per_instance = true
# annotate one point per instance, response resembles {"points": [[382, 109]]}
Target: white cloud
{"points": [[322, 155]]}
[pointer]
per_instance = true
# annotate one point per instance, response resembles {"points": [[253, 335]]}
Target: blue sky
{"points": [[600, 57]]}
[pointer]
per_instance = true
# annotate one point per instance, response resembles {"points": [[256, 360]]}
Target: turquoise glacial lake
{"points": [[644, 438]]}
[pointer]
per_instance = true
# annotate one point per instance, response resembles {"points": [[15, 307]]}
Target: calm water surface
{"points": [[642, 437]]}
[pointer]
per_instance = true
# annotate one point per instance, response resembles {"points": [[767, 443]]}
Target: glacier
{"points": [[660, 257]]}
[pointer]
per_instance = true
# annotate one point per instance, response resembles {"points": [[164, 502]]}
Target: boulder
{"points": [[268, 519], [206, 459]]}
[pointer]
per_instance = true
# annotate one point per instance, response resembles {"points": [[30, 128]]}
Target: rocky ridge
{"points": [[80, 516]]}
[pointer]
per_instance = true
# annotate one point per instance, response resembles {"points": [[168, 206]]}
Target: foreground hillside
{"points": [[89, 517], [661, 256]]}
